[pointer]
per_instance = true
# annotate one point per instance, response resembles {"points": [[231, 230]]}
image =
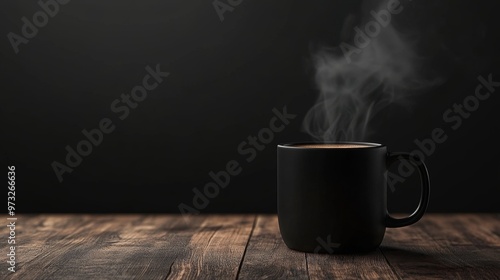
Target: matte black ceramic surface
{"points": [[334, 199]]}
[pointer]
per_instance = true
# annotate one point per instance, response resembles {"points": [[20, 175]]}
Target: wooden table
{"points": [[443, 246]]}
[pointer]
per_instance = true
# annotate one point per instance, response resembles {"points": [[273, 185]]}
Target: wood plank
{"points": [[448, 246], [125, 246], [104, 246], [216, 250], [23, 226], [267, 257], [371, 265]]}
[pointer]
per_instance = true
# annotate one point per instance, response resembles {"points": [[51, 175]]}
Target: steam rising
{"points": [[352, 91]]}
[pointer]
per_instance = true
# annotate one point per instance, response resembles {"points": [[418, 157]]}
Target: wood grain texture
{"points": [[359, 266], [446, 246], [101, 247], [215, 250], [440, 246], [267, 257]]}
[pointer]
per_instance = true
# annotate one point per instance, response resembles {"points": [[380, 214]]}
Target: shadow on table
{"points": [[404, 254], [459, 260]]}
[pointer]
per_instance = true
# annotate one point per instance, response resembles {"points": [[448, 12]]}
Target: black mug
{"points": [[332, 197]]}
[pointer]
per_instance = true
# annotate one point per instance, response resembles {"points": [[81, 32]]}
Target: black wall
{"points": [[225, 79]]}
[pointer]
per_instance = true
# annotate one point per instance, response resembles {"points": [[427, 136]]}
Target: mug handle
{"points": [[424, 195]]}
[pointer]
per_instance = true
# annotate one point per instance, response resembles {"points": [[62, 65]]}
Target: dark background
{"points": [[226, 77]]}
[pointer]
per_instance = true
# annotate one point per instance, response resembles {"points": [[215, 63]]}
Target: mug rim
{"points": [[293, 145]]}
